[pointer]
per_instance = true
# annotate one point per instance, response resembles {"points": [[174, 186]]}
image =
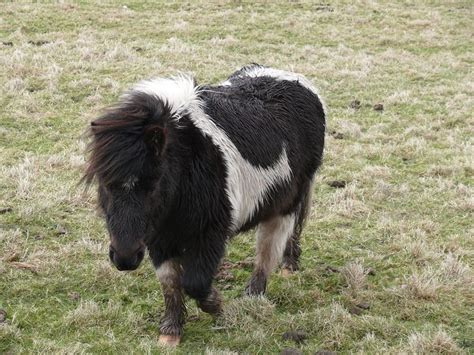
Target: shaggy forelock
{"points": [[117, 149]]}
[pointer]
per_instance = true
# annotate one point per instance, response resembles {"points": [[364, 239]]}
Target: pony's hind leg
{"points": [[272, 238], [171, 325], [291, 255], [292, 252]]}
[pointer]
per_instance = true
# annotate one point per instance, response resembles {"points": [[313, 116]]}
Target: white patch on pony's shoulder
{"points": [[178, 91], [279, 75], [165, 271], [246, 185]]}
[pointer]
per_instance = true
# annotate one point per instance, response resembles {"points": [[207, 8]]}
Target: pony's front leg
{"points": [[171, 324], [200, 268], [212, 303]]}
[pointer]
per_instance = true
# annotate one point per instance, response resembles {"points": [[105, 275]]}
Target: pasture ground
{"points": [[387, 262]]}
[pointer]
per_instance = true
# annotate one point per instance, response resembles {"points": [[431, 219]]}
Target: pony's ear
{"points": [[155, 129], [155, 136]]}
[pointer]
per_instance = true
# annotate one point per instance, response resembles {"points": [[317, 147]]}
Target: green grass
{"points": [[406, 212]]}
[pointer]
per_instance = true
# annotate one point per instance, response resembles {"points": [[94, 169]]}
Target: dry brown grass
{"points": [[405, 212], [438, 342], [355, 276], [245, 312]]}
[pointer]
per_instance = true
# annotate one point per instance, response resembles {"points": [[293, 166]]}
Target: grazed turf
{"points": [[397, 239]]}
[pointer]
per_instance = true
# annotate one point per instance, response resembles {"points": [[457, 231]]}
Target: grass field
{"points": [[387, 258]]}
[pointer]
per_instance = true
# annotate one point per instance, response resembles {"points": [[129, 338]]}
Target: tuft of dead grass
{"points": [[90, 313], [51, 346], [355, 276], [454, 271], [337, 327], [346, 202], [420, 250], [245, 312], [336, 322], [9, 332], [348, 129], [424, 285], [438, 342], [211, 351]]}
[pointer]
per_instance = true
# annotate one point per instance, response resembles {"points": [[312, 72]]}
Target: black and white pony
{"points": [[182, 168]]}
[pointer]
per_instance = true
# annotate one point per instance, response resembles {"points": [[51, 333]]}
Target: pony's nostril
{"points": [[128, 261]]}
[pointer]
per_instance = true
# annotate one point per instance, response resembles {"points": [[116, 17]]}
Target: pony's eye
{"points": [[130, 183]]}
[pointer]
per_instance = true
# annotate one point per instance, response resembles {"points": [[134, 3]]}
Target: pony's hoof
{"points": [[285, 272], [169, 340]]}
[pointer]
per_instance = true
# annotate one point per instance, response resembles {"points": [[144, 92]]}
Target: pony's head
{"points": [[125, 154]]}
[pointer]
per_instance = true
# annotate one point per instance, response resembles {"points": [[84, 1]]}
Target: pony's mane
{"points": [[118, 145], [119, 138]]}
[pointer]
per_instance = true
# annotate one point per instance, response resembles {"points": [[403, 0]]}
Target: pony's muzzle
{"points": [[126, 262]]}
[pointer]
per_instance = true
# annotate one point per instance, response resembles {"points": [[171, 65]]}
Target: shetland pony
{"points": [[181, 168]]}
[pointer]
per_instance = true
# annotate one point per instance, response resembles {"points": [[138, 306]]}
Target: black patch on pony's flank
{"points": [[270, 108]]}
